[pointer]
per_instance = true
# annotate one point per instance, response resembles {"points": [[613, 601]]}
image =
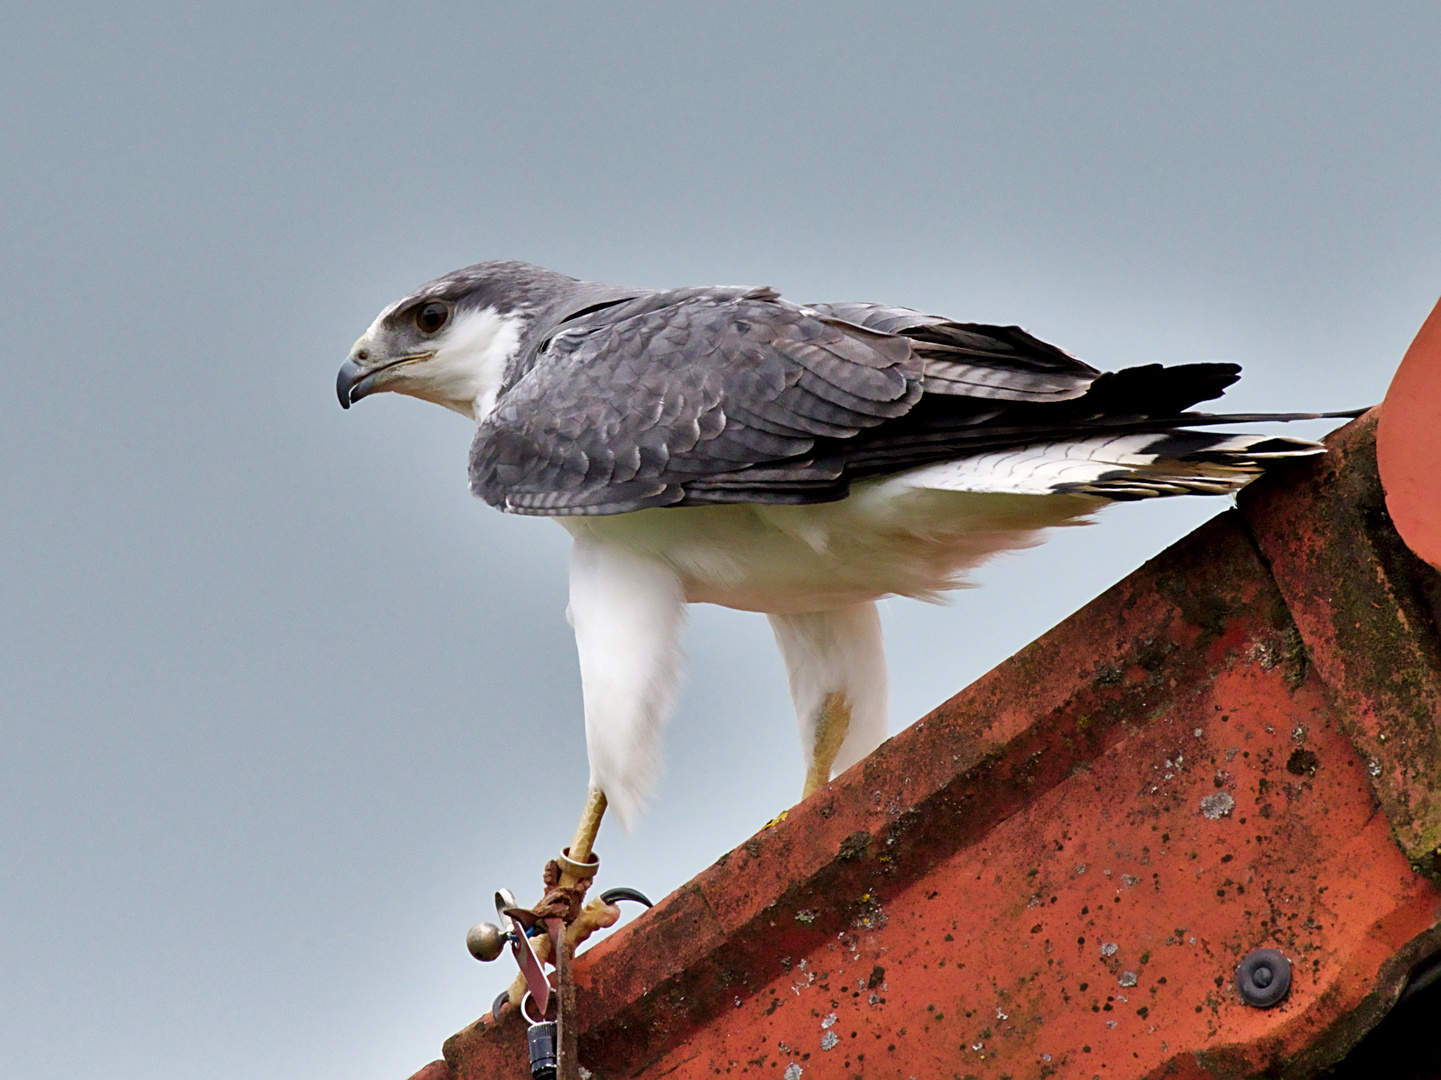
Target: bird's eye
{"points": [[432, 316]]}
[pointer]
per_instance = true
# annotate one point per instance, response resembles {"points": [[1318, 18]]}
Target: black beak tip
{"points": [[350, 373]]}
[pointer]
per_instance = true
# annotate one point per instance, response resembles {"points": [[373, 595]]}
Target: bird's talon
{"points": [[610, 896]]}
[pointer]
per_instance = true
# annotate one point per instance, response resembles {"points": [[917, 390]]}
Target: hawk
{"points": [[728, 446]]}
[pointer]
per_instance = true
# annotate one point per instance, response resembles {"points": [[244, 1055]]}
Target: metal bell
{"points": [[544, 1041], [485, 941]]}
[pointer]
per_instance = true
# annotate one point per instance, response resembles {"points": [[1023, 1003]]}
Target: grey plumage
{"points": [[621, 399]]}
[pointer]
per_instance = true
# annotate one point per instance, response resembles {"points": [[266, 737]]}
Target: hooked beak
{"points": [[351, 375], [354, 382]]}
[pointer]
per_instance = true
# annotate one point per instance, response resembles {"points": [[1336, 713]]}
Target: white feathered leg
{"points": [[837, 667], [628, 613]]}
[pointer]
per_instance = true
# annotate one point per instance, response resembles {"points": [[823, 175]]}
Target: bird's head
{"points": [[450, 340]]}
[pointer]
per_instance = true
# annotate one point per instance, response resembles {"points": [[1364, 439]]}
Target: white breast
{"points": [[885, 539]]}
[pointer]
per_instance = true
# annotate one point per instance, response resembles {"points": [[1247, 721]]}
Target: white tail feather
{"points": [[1117, 466]]}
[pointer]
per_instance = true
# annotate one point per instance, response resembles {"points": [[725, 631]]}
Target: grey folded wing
{"points": [[629, 406], [707, 396], [1002, 363]]}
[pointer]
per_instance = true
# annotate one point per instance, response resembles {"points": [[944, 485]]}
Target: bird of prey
{"points": [[728, 446]]}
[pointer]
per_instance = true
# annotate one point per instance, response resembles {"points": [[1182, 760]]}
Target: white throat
{"points": [[468, 367]]}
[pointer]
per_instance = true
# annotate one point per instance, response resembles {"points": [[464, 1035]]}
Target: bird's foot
{"points": [[595, 915], [566, 881], [833, 723], [565, 891]]}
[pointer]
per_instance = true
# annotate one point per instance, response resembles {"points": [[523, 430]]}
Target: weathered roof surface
{"points": [[1060, 868], [1409, 444]]}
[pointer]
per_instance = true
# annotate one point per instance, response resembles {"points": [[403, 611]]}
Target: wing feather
{"points": [[733, 395], [629, 403]]}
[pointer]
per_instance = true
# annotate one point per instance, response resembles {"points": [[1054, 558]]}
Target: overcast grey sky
{"points": [[280, 704]]}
